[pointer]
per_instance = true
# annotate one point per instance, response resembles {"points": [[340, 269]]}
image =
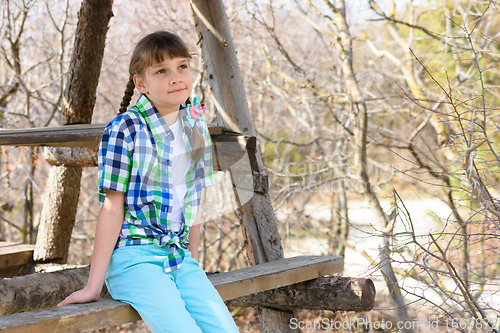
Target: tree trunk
{"points": [[58, 214], [223, 71], [63, 187]]}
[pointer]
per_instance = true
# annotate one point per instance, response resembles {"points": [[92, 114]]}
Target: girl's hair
{"points": [[151, 50]]}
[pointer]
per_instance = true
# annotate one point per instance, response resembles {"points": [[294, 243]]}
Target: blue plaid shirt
{"points": [[134, 158]]}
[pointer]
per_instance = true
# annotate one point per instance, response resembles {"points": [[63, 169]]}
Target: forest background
{"points": [[364, 108]]}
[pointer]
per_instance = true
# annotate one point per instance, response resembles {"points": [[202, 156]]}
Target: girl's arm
{"points": [[194, 236], [109, 223]]}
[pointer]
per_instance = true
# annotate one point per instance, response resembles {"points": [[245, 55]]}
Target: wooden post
{"points": [[63, 185], [257, 215]]}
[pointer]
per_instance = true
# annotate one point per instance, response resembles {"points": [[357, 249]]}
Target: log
{"points": [[43, 290], [58, 214], [40, 290], [334, 293], [71, 156]]}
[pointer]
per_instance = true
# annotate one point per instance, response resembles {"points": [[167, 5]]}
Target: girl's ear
{"points": [[139, 84]]}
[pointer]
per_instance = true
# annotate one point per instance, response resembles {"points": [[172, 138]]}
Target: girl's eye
{"points": [[183, 66], [161, 71]]}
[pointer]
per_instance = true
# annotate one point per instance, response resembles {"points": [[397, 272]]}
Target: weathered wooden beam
{"points": [[42, 290], [88, 135], [228, 148], [77, 145], [228, 94], [71, 318], [334, 293], [15, 254], [15, 259], [18, 270], [62, 136], [274, 274], [327, 293]]}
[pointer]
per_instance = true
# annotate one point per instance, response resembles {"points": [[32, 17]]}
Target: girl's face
{"points": [[167, 84]]}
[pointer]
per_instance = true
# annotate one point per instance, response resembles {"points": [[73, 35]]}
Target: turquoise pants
{"points": [[180, 301]]}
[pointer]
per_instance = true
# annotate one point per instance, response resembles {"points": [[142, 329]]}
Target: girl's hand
{"points": [[109, 223], [81, 296]]}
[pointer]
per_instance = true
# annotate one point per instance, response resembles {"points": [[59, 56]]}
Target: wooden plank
{"points": [[274, 274], [62, 136], [15, 254], [67, 136], [15, 271], [70, 318], [228, 148], [4, 243], [107, 312]]}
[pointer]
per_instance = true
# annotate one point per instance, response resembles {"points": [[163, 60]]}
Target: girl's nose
{"points": [[176, 79]]}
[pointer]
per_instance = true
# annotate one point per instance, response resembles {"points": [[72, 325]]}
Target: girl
{"points": [[154, 161]]}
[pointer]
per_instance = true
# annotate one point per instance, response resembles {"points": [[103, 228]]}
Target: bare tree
{"points": [[58, 214]]}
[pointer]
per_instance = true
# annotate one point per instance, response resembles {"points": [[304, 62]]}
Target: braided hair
{"points": [[151, 50]]}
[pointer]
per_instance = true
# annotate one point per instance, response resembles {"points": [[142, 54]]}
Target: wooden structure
{"points": [[230, 285], [106, 312], [223, 71], [14, 259], [235, 132]]}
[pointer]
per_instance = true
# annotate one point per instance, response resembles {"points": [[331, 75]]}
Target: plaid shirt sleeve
{"points": [[114, 159], [208, 167]]}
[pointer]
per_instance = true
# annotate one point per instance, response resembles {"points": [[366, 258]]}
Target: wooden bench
{"points": [[107, 312], [293, 276], [14, 257]]}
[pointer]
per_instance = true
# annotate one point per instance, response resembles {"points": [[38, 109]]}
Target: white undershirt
{"points": [[180, 165]]}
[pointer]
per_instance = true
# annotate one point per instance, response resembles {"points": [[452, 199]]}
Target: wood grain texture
{"points": [[228, 94], [71, 156], [43, 290], [221, 65], [63, 136], [67, 136], [333, 293], [106, 312], [274, 274], [58, 214], [86, 61], [70, 318], [228, 149], [15, 254], [40, 290]]}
